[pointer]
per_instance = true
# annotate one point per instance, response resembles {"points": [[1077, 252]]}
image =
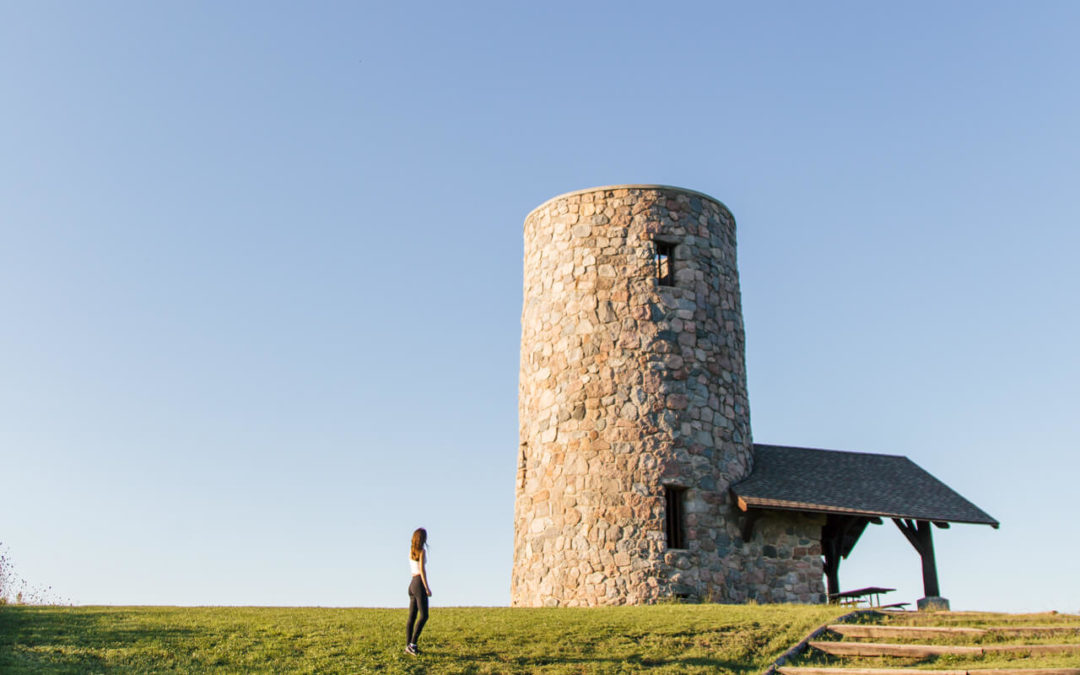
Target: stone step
{"points": [[798, 670], [922, 651]]}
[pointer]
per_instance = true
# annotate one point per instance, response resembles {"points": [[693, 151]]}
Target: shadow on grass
{"points": [[69, 639], [586, 662]]}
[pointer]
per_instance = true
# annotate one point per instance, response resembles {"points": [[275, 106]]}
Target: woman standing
{"points": [[418, 590]]}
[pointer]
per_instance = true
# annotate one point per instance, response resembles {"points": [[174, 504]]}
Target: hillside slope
{"points": [[663, 639]]}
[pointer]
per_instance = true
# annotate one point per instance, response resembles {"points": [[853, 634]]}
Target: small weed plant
{"points": [[15, 590]]}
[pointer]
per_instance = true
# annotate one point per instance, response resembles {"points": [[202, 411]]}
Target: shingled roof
{"points": [[854, 483]]}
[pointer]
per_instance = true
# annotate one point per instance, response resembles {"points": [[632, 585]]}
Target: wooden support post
{"points": [[748, 519], [929, 565], [918, 533], [832, 536], [831, 550], [838, 537]]}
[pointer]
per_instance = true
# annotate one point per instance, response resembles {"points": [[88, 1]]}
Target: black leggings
{"points": [[417, 603]]}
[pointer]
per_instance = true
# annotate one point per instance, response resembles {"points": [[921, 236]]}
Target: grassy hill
{"points": [[662, 639]]}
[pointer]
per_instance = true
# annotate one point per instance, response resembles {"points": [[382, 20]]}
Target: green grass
{"points": [[662, 639]]}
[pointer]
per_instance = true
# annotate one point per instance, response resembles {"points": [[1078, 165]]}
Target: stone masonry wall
{"points": [[782, 562], [626, 386]]}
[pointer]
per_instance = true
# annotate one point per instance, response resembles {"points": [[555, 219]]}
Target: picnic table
{"points": [[871, 595]]}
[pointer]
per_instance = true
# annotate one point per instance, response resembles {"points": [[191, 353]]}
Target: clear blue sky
{"points": [[260, 272]]}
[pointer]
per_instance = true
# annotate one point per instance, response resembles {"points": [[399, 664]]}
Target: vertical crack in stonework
{"points": [[626, 386]]}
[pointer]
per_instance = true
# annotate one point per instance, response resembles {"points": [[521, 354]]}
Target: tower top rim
{"points": [[628, 186]]}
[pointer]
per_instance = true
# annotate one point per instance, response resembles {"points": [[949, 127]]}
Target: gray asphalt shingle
{"points": [[833, 481]]}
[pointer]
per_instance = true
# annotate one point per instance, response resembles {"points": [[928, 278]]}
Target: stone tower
{"points": [[633, 407]]}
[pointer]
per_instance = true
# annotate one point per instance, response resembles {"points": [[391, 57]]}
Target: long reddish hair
{"points": [[419, 540]]}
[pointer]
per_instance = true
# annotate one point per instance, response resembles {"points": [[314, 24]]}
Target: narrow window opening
{"points": [[665, 263], [675, 517], [522, 462]]}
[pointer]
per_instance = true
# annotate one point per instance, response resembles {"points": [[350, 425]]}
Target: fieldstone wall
{"points": [[781, 563], [628, 386]]}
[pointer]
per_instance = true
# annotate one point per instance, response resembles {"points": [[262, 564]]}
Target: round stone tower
{"points": [[632, 402]]}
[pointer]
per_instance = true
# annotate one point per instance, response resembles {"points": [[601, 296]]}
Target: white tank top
{"points": [[414, 566]]}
